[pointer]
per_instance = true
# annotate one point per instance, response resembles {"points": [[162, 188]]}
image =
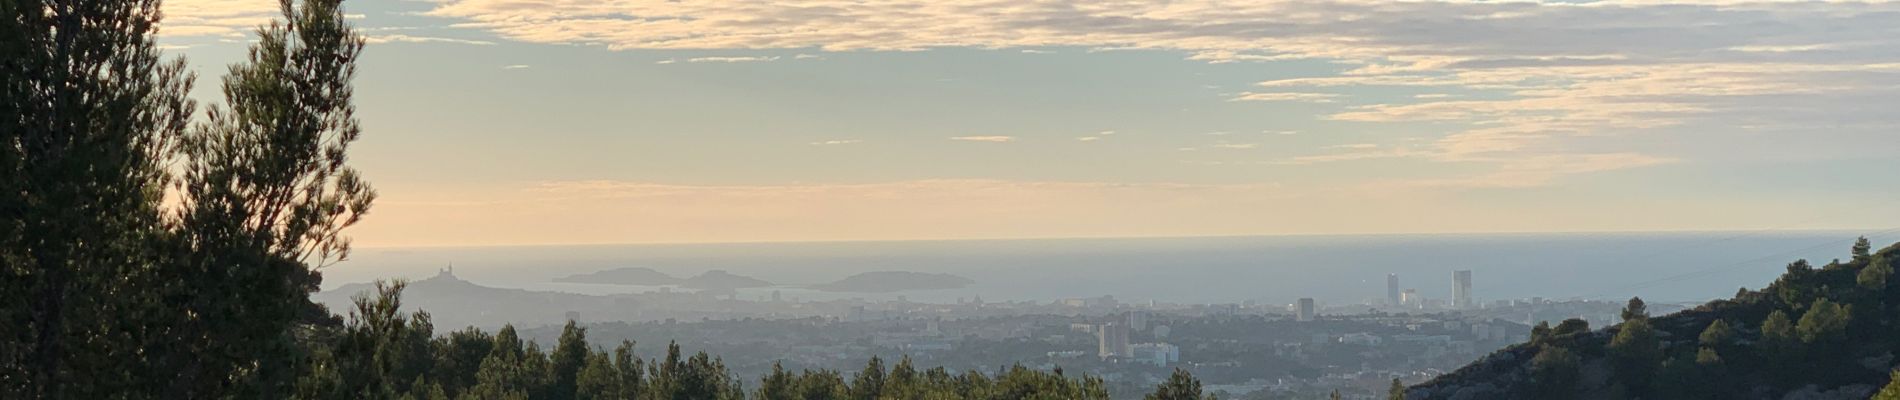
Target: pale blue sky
{"points": [[569, 121]]}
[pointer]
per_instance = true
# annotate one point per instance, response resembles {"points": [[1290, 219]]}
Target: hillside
{"points": [[1814, 333], [894, 281]]}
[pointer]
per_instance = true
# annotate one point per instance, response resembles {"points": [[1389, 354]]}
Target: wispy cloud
{"points": [[731, 59], [992, 139], [1235, 145], [517, 66], [1088, 138], [1287, 96], [836, 142], [401, 38]]}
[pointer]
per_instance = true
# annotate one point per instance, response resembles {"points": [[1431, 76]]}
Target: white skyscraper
{"points": [[1112, 340], [1392, 290], [1461, 289]]}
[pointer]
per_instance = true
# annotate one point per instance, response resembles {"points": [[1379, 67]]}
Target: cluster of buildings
{"points": [[1113, 340], [1461, 296]]}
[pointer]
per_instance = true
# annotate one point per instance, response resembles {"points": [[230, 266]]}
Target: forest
{"points": [[1826, 331]]}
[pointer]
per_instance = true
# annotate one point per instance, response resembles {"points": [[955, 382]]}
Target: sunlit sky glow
{"points": [[495, 122]]}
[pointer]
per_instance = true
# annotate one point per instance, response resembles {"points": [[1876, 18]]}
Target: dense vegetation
{"points": [[145, 256], [1832, 329]]}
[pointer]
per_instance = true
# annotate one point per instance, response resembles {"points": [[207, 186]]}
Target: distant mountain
{"points": [[1830, 332], [456, 303], [894, 281], [720, 280], [623, 276]]}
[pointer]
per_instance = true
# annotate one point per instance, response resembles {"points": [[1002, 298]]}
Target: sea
{"points": [[1335, 269]]}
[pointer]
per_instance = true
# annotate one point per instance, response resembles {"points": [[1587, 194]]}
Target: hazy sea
{"points": [[1668, 267]]}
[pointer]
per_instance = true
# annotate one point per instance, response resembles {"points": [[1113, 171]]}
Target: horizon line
{"points": [[1861, 231]]}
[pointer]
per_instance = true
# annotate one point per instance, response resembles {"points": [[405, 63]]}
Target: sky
{"points": [[539, 122]]}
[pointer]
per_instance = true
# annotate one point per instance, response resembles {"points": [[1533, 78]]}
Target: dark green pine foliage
{"points": [[89, 110], [1397, 391], [266, 191], [1635, 351], [1892, 391], [570, 356], [1812, 327], [109, 294], [1182, 386]]}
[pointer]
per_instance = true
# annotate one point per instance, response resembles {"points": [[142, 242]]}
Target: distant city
{"points": [[1306, 348]]}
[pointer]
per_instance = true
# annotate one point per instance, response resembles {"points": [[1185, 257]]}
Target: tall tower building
{"points": [[1461, 289], [1305, 310], [1112, 340], [1392, 290]]}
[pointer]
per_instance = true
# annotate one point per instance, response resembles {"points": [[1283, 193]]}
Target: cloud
{"points": [[992, 139], [836, 142], [1088, 138], [1433, 96], [803, 56], [1287, 96], [666, 61], [1280, 132], [215, 18], [1035, 51], [1235, 145], [401, 38], [1537, 78], [731, 59], [1355, 146], [517, 66]]}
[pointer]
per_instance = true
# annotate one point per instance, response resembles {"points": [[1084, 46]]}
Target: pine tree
{"points": [[1554, 373], [1777, 333], [1825, 322], [1397, 391], [570, 355], [1716, 335], [1179, 386], [1635, 309], [266, 192], [1892, 391], [1875, 275], [1862, 249], [1636, 354], [88, 109], [598, 380]]}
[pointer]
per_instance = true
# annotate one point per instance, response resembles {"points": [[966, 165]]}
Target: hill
{"points": [[894, 281], [623, 276], [1815, 333]]}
